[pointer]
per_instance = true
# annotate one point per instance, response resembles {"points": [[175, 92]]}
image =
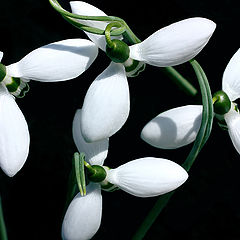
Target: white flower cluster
{"points": [[106, 108]]}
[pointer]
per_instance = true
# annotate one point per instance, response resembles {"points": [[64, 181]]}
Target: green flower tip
{"points": [[221, 103], [118, 51], [96, 173]]}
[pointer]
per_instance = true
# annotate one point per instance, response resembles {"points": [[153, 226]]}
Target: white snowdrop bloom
{"points": [[107, 100], [231, 86], [54, 62], [179, 126], [144, 177], [174, 128], [148, 177]]}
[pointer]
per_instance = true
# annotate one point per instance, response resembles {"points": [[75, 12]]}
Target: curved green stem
{"points": [[3, 231], [180, 81], [202, 136], [108, 32], [62, 11], [89, 168], [71, 17]]}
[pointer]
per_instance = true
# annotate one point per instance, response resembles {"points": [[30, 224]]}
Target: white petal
{"points": [[106, 104], [174, 44], [232, 119], [148, 177], [83, 216], [57, 61], [1, 56], [231, 77], [14, 135], [82, 8], [95, 152], [174, 128]]}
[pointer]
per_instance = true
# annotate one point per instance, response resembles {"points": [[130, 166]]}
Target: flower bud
{"points": [[221, 103], [118, 51]]}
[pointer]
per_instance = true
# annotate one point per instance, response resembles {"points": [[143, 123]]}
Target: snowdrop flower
{"points": [[54, 62], [179, 126], [107, 104], [144, 177], [174, 128]]}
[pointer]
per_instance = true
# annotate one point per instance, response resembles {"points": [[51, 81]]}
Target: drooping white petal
{"points": [[148, 177], [95, 152], [174, 128], [232, 119], [1, 56], [106, 104], [57, 61], [231, 77], [14, 134], [82, 8], [174, 44], [83, 216]]}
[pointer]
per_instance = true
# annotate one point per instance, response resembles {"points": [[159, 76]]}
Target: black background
{"points": [[205, 207]]}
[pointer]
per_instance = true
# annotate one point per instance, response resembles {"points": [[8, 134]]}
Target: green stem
{"points": [[70, 17], [180, 81], [62, 11], [108, 32], [3, 231], [89, 168], [202, 136]]}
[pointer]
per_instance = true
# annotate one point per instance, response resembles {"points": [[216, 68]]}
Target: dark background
{"points": [[205, 207]]}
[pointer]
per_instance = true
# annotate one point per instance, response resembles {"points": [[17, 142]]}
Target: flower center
{"points": [[133, 67], [15, 86]]}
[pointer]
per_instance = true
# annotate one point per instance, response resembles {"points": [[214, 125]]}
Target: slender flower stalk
{"points": [[201, 139], [3, 231], [180, 81]]}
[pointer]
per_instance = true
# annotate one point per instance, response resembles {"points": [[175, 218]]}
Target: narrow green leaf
{"points": [[3, 231], [202, 136], [207, 116]]}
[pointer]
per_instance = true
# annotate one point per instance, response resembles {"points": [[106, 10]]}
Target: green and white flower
{"points": [[58, 61], [179, 126], [107, 102], [144, 177]]}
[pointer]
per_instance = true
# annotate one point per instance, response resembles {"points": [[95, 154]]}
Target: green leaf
{"points": [[207, 116], [3, 230], [202, 136]]}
